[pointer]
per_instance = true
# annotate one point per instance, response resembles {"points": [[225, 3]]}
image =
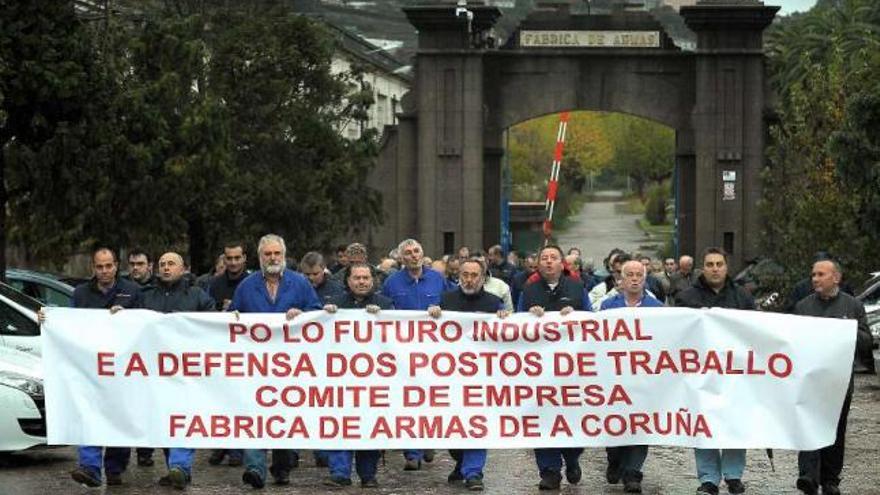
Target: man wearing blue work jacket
{"points": [[274, 289], [415, 287]]}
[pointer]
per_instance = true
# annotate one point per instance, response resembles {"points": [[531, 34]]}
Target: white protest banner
{"points": [[400, 379]]}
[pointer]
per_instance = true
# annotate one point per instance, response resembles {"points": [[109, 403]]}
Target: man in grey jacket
{"points": [[822, 467]]}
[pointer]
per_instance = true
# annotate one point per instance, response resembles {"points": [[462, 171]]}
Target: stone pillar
{"points": [[685, 187], [449, 81], [728, 122]]}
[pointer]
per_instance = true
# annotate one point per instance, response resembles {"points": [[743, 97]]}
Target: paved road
{"points": [[599, 227], [667, 471]]}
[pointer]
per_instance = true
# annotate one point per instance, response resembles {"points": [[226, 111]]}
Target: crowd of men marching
{"points": [[469, 281]]}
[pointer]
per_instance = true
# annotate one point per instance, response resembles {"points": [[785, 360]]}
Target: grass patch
{"points": [[664, 230], [660, 236], [631, 206], [562, 223]]}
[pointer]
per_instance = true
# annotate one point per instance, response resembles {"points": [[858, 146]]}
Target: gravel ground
{"points": [[667, 470]]}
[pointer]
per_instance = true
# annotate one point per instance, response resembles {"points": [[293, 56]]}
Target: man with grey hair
{"points": [[470, 297], [354, 253], [684, 278], [822, 468], [274, 289], [625, 462], [492, 284], [414, 287]]}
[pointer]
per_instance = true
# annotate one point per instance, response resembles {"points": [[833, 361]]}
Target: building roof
{"points": [[366, 51]]}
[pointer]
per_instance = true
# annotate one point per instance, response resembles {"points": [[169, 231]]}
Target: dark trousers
{"points": [[283, 461], [627, 461], [551, 459], [823, 466]]}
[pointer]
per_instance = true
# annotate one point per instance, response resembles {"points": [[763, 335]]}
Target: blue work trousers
{"points": [[470, 462], [282, 461], [114, 460], [366, 463], [180, 458], [551, 459], [714, 464], [414, 455], [627, 461]]}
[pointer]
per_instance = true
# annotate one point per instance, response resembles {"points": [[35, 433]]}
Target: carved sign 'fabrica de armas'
{"points": [[604, 39]]}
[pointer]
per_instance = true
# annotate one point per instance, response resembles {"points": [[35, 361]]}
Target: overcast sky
{"points": [[789, 6]]}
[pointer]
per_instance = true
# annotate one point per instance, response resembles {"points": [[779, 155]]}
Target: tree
{"points": [[295, 174], [806, 207], [648, 159], [846, 29], [857, 150], [820, 187], [52, 90], [200, 121]]}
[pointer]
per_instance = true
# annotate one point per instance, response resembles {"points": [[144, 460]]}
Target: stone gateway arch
{"points": [[440, 167]]}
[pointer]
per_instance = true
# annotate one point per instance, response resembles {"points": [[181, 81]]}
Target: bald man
{"points": [[821, 468], [171, 294]]}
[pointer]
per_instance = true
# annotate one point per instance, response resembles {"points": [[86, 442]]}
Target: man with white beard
{"points": [[469, 297], [274, 289]]}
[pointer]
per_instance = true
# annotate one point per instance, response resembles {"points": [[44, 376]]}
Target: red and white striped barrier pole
{"points": [[553, 185]]}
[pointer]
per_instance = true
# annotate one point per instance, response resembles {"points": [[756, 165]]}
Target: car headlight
{"points": [[24, 383]]}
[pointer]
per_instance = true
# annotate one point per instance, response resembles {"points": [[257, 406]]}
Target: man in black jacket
{"points": [[314, 268], [714, 288], [140, 268], [469, 297], [173, 293], [222, 287], [499, 266], [104, 291], [554, 292], [359, 294], [822, 467], [520, 278]]}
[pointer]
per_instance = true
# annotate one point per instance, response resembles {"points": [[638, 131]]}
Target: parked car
{"points": [[763, 279], [870, 293], [23, 411], [51, 290], [874, 325], [18, 320]]}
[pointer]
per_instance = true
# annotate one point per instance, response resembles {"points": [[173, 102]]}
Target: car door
{"points": [[18, 330]]}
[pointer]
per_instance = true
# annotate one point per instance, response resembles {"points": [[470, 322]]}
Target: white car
{"points": [[870, 293], [22, 403], [18, 321]]}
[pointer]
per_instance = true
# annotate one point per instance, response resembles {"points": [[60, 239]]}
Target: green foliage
{"points": [[644, 150], [52, 91], [857, 148], [203, 122], [821, 186], [596, 144], [655, 207], [847, 30], [298, 177]]}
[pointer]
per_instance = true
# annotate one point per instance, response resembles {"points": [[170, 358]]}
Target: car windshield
{"points": [[869, 284], [26, 301], [871, 295]]}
